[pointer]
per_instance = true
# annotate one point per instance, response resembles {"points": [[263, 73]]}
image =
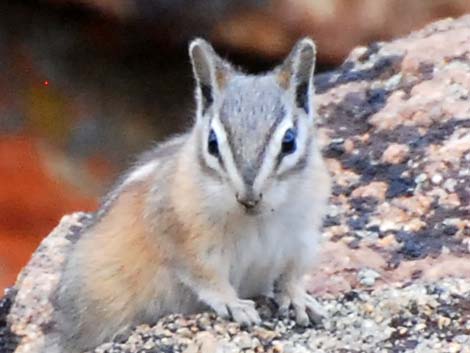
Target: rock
{"points": [[8, 340], [436, 178], [207, 342], [367, 277], [450, 185], [191, 348], [395, 153], [31, 311], [388, 242], [376, 190], [394, 104]]}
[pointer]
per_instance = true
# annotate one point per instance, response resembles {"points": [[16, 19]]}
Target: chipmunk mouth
{"points": [[252, 211]]}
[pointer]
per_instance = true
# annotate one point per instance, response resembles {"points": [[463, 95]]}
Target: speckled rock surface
{"points": [[30, 310], [418, 318], [395, 268], [395, 123]]}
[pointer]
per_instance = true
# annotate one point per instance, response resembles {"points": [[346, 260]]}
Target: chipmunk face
{"points": [[254, 132]]}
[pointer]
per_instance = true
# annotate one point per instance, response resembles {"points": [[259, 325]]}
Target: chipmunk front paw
{"points": [[306, 308], [241, 311]]}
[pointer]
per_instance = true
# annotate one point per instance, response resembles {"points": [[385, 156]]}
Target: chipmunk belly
{"points": [[259, 259]]}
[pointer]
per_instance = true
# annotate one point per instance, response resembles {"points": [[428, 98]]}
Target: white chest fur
{"points": [[263, 247]]}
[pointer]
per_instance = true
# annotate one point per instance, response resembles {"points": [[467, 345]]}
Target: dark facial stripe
{"points": [[270, 134], [249, 173]]}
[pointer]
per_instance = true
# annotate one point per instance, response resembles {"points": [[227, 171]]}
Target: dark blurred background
{"points": [[87, 84]]}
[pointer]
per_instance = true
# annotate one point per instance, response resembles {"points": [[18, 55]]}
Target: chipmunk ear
{"points": [[296, 73], [210, 70]]}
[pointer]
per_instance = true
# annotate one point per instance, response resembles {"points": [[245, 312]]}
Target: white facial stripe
{"points": [[226, 154], [142, 172], [272, 152], [291, 160]]}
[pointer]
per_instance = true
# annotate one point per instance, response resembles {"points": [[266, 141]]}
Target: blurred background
{"points": [[87, 84]]}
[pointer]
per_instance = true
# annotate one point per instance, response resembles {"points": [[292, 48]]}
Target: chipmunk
{"points": [[210, 218]]}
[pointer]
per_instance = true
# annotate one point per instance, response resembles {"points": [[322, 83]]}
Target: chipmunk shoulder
{"points": [[210, 218]]}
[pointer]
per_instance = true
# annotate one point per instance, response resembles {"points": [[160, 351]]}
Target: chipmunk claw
{"points": [[306, 308]]}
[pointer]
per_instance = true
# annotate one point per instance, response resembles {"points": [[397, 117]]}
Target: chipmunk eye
{"points": [[288, 141], [212, 144]]}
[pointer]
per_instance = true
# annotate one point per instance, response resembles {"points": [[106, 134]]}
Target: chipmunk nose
{"points": [[249, 201]]}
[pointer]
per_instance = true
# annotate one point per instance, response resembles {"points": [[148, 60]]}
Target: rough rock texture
{"points": [[395, 126], [8, 340], [30, 314]]}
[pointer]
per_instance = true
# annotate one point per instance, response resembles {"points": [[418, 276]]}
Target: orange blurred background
{"points": [[86, 85], [32, 200]]}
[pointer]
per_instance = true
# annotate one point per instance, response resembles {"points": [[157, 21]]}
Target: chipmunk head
{"points": [[254, 131]]}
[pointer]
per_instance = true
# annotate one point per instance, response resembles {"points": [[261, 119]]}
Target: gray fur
{"points": [[164, 151], [251, 107], [250, 113], [301, 63], [208, 67]]}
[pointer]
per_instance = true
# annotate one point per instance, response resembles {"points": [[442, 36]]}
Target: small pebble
{"points": [[421, 178], [436, 179], [454, 347], [367, 277], [450, 184]]}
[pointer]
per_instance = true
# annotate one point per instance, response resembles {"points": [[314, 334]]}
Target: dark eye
{"points": [[288, 141], [212, 145]]}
